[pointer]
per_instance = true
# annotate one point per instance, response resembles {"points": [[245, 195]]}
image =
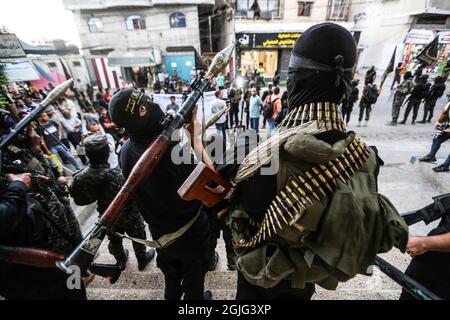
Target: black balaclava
{"points": [[320, 69], [134, 111], [97, 149]]}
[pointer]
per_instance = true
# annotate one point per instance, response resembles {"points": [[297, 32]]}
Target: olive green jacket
{"points": [[339, 235]]}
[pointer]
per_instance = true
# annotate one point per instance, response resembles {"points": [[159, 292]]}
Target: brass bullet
{"points": [[344, 159], [338, 162], [332, 167], [275, 216], [323, 180], [308, 186], [315, 183], [271, 221], [278, 199], [312, 110], [319, 114], [306, 113], [325, 170], [299, 200], [297, 118], [282, 216], [301, 191], [289, 201]]}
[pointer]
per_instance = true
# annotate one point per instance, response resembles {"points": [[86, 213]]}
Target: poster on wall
{"points": [[20, 69], [268, 40], [420, 36], [10, 46], [444, 37]]}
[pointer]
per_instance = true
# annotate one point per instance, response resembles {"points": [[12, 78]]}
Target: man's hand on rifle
{"points": [[195, 131]]}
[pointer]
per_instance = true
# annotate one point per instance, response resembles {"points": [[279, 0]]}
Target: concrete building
{"points": [[128, 38], [51, 62], [270, 28], [407, 25]]}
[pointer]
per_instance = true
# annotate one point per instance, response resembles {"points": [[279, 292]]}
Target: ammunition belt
{"points": [[325, 113], [299, 193]]}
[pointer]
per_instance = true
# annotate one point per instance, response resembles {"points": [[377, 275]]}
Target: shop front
{"points": [[136, 66], [269, 50]]}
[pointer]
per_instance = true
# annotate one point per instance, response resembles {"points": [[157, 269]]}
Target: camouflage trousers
{"points": [[132, 224], [396, 106]]}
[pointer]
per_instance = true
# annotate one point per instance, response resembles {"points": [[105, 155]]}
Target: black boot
{"points": [[441, 168], [403, 122], [122, 259], [207, 295], [145, 260]]}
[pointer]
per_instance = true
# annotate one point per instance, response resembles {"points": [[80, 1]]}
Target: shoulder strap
{"points": [[165, 240]]}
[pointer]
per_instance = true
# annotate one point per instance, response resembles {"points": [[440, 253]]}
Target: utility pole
{"points": [[210, 35]]}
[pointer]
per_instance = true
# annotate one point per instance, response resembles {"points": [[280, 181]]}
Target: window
{"points": [[76, 63], [304, 8], [135, 23], [177, 20], [265, 9], [338, 9], [95, 24], [52, 65]]}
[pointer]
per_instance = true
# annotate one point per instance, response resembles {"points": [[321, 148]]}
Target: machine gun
{"points": [[84, 254]]}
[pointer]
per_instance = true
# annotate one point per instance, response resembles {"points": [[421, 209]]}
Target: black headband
{"points": [[301, 62]]}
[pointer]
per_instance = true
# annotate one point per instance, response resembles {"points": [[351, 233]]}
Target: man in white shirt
{"points": [[221, 124]]}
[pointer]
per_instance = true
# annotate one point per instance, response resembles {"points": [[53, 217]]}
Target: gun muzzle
{"points": [[84, 254]]}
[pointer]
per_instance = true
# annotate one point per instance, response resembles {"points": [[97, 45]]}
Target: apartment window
{"points": [[76, 63], [135, 23], [52, 65], [304, 8], [338, 9], [265, 9], [95, 24], [177, 20]]}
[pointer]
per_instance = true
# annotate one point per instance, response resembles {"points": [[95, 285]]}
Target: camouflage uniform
{"points": [[403, 90], [64, 230], [101, 183]]}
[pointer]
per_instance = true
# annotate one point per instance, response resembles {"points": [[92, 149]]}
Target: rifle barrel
{"points": [[408, 283]]}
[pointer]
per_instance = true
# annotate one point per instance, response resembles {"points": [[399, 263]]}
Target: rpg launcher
{"points": [[25, 122], [84, 254], [39, 258]]}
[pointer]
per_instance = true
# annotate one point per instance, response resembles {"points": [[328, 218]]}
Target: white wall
{"points": [[157, 35]]}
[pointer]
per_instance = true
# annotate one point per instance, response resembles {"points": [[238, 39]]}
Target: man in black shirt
{"points": [[184, 263], [52, 133], [431, 260]]}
